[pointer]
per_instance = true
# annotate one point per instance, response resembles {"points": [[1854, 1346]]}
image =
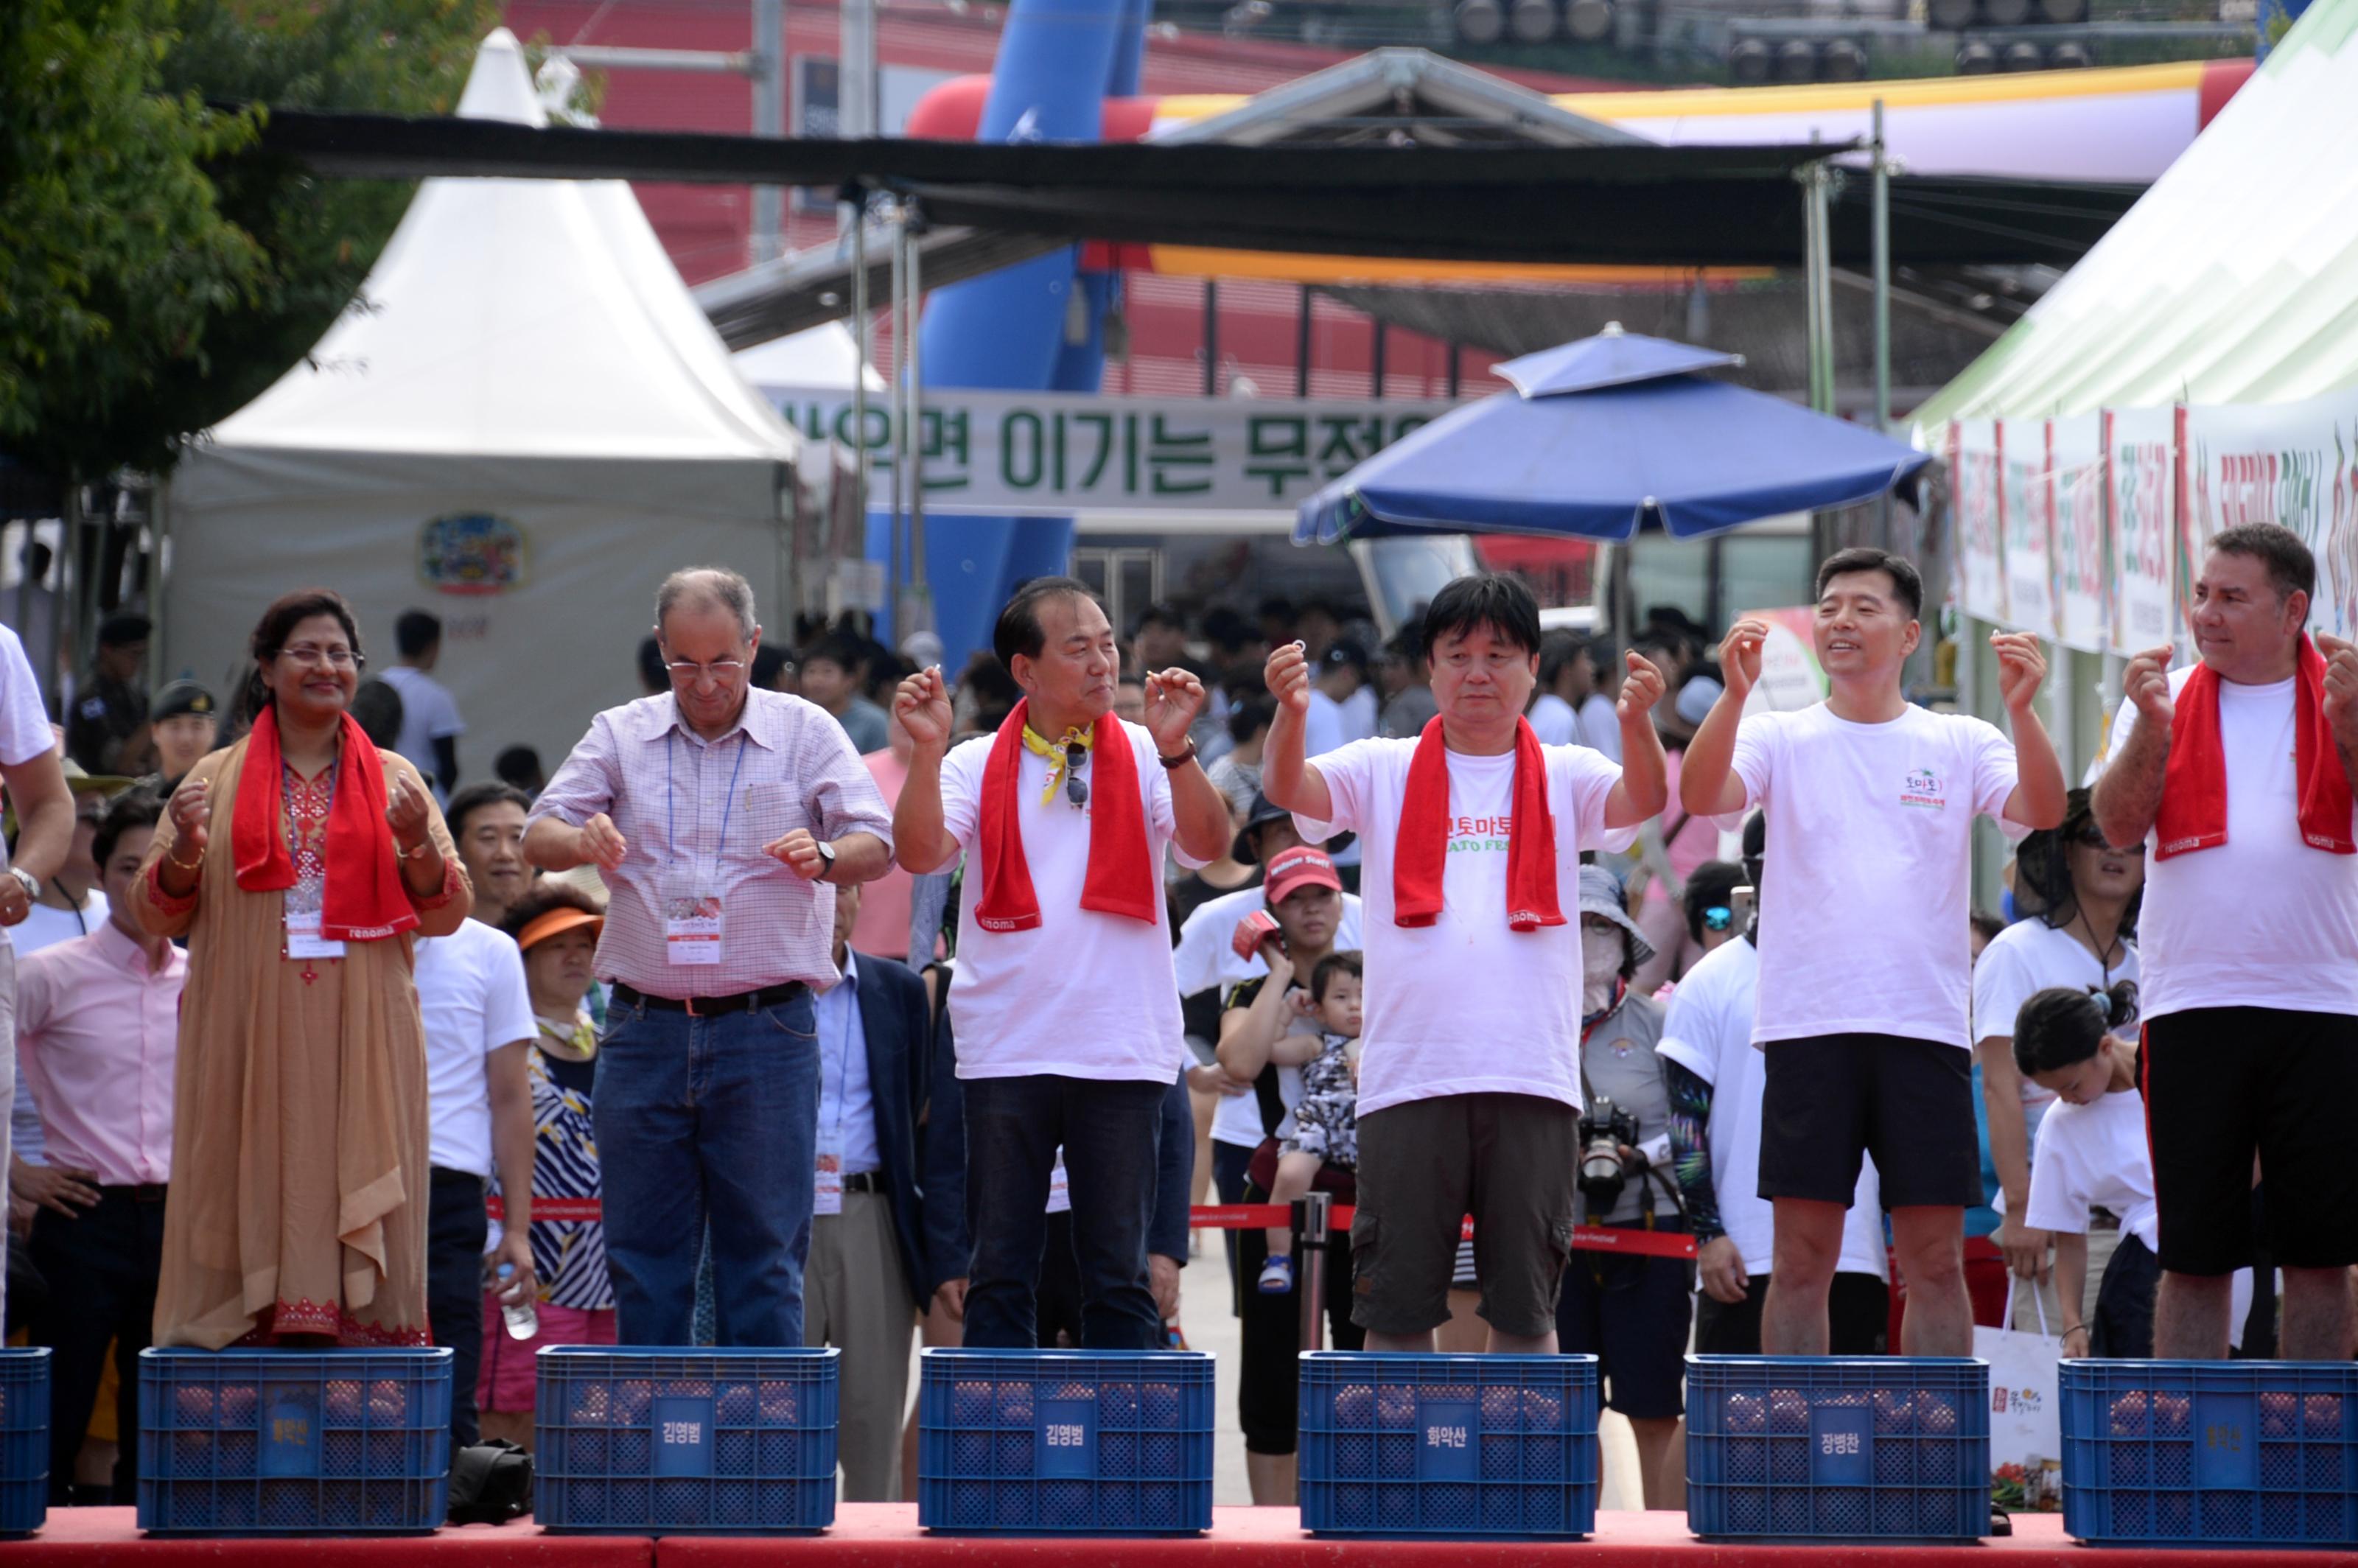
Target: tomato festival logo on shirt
{"points": [[1480, 834], [1921, 789]]}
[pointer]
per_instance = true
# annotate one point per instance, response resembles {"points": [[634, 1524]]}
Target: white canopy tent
{"points": [[522, 426]]}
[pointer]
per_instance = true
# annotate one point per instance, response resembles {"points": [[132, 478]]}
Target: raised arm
{"points": [[2037, 800], [1644, 787], [2128, 792], [1286, 776], [921, 840], [1199, 810], [1708, 785]]}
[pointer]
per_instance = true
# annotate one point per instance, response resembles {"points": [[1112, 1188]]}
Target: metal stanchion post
{"points": [[1310, 1267]]}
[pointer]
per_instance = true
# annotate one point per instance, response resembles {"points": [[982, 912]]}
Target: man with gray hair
{"points": [[723, 818]]}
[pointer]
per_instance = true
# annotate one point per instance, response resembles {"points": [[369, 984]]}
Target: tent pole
{"points": [[857, 197], [1809, 263], [1821, 194], [769, 54], [921, 618], [1882, 208], [897, 420]]}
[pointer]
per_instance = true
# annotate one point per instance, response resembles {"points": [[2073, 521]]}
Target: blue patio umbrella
{"points": [[1603, 436]]}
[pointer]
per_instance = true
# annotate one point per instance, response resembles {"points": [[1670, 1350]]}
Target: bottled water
{"points": [[523, 1321]]}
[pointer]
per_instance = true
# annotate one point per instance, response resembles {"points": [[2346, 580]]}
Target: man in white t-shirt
{"points": [[35, 778], [430, 725], [2237, 772], [1714, 1080], [1064, 1004], [2082, 891], [1470, 1077], [1865, 962], [479, 1032], [1567, 679]]}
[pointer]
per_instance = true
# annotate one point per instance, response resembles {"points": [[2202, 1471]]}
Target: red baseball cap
{"points": [[1300, 867]]}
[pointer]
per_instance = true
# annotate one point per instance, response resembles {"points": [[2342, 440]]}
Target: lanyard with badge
{"points": [[693, 917], [827, 1189]]}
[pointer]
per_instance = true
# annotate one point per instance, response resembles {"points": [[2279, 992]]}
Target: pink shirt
{"points": [[883, 927], [682, 802], [97, 1037]]}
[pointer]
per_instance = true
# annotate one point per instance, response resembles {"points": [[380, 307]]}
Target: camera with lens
{"points": [[1604, 1128]]}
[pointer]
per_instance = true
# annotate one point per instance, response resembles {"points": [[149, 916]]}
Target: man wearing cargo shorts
{"points": [[1469, 1078]]}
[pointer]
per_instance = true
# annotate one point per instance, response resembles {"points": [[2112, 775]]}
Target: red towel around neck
{"points": [[1121, 875], [1422, 848], [2193, 814], [363, 899]]}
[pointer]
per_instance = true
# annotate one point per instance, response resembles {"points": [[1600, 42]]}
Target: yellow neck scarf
{"points": [[1057, 753]]}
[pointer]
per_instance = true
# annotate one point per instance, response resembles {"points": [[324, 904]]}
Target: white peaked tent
{"points": [[522, 426]]}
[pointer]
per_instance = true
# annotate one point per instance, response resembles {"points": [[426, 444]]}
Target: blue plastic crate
{"points": [[23, 1440], [294, 1441], [1064, 1441], [2210, 1453], [1838, 1448], [653, 1441], [1460, 1446]]}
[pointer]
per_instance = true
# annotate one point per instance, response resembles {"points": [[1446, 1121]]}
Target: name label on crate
{"points": [[2226, 1440], [290, 1429], [1447, 1434], [1838, 1445], [1068, 1439], [682, 1436]]}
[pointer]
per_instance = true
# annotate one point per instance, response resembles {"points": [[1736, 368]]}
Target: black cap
{"points": [[1344, 651], [1265, 811], [118, 629], [182, 697]]}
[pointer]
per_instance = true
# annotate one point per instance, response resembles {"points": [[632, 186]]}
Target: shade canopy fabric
{"points": [[1677, 451]]}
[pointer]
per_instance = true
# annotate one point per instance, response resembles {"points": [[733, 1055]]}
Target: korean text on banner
{"points": [[2141, 485], [2025, 521], [1972, 465], [1045, 453], [2075, 452], [2294, 463]]}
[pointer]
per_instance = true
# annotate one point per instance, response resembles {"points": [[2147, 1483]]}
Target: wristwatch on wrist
{"points": [[1185, 756], [26, 881], [827, 854]]}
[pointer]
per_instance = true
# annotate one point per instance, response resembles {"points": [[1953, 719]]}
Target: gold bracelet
{"points": [[196, 865], [417, 853]]}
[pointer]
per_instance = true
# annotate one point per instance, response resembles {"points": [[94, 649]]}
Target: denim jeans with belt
{"points": [[1112, 1134], [708, 1119]]}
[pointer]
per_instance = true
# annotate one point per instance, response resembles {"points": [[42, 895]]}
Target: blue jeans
{"points": [[708, 1119], [1111, 1133]]}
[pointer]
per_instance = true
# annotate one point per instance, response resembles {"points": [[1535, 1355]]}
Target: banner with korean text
{"points": [[2141, 491], [1974, 485], [2294, 463], [2026, 525], [2075, 467], [1040, 454]]}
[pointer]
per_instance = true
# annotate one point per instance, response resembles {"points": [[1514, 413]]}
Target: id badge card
{"points": [[303, 938], [692, 918], [827, 1191]]}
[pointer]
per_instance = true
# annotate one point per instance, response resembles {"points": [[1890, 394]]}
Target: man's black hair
{"points": [[1161, 612], [520, 765], [1226, 630], [768, 660], [1018, 631], [2290, 566], [1558, 650], [1498, 600], [376, 708], [1903, 572], [415, 630], [1250, 717], [651, 673], [475, 797], [841, 649], [1712, 885], [132, 809], [1333, 964]]}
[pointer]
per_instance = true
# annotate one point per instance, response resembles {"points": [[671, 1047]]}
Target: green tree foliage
{"points": [[174, 274]]}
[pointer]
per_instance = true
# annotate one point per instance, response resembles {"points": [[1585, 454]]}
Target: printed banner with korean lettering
{"points": [[2294, 463], [2075, 463], [1045, 453], [2141, 485], [2026, 525], [1973, 466]]}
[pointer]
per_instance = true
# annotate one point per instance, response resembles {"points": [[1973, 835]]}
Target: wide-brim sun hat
{"points": [[1601, 895]]}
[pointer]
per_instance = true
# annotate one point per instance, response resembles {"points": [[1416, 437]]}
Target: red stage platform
{"points": [[880, 1535]]}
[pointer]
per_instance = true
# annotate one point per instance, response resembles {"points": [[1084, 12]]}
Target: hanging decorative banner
{"points": [[2026, 525], [1973, 466], [2294, 463], [2075, 466], [2140, 488]]}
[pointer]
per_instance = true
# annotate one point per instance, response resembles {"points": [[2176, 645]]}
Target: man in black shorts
{"points": [[2237, 772], [1866, 972]]}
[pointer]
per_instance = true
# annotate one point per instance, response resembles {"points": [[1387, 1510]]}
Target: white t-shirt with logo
{"points": [[1467, 1005], [2094, 1156], [2029, 957], [1080, 995], [472, 998], [1709, 1033], [2262, 920], [1866, 886]]}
